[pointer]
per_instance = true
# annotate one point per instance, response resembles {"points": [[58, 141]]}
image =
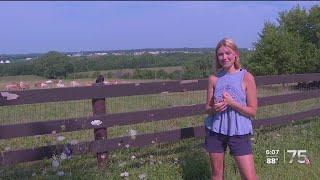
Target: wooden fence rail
{"points": [[99, 92]]}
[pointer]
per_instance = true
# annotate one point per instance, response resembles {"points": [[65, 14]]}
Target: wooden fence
{"points": [[99, 92]]}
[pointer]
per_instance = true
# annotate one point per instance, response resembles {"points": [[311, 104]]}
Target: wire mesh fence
{"points": [[159, 160]]}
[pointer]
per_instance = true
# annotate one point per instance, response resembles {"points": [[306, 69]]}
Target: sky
{"points": [[73, 26]]}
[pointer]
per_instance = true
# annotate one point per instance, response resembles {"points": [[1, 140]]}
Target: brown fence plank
{"points": [[75, 124], [45, 152], [286, 98], [26, 155], [293, 78], [283, 120], [78, 93]]}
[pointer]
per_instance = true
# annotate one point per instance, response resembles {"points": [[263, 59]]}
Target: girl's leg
{"points": [[246, 166], [217, 165]]}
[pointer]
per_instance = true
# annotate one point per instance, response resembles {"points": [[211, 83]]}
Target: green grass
{"points": [[192, 163], [168, 69], [187, 159]]}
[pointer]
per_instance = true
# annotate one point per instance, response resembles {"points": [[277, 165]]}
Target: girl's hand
{"points": [[228, 99], [220, 106]]}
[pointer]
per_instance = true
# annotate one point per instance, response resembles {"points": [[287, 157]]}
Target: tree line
{"points": [[292, 46]]}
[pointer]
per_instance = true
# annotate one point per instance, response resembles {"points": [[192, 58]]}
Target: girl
{"points": [[231, 103]]}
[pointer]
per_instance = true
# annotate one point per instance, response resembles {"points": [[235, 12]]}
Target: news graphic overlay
{"points": [[290, 156]]}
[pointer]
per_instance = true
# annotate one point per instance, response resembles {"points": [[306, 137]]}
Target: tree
{"points": [[199, 68], [53, 65], [287, 48]]}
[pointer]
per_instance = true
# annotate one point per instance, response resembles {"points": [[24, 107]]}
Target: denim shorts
{"points": [[239, 145]]}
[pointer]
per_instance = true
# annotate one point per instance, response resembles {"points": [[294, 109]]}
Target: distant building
{"points": [[117, 54], [1, 62], [76, 55], [28, 59], [154, 52], [7, 61], [138, 53], [100, 54]]}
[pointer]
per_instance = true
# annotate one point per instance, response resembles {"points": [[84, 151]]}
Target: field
{"points": [[32, 80], [119, 73], [181, 160]]}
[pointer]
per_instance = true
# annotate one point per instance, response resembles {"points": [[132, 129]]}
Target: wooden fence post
{"points": [[99, 108]]}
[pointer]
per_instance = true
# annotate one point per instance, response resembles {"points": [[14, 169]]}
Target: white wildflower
{"points": [[151, 156], [63, 156], [7, 148], [96, 122], [142, 176], [133, 157], [103, 156], [55, 163], [34, 174], [74, 142], [307, 161], [153, 142], [61, 138], [127, 145], [124, 174]]}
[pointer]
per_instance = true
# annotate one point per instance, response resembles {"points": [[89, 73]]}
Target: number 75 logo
{"points": [[301, 154]]}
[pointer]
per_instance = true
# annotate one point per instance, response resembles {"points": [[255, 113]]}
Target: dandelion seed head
{"points": [[124, 174], [63, 127], [55, 163], [60, 173], [44, 171], [132, 133]]}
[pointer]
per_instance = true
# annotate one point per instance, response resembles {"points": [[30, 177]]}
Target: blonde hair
{"points": [[227, 42]]}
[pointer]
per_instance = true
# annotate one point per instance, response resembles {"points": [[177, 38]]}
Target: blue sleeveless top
{"points": [[230, 122]]}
